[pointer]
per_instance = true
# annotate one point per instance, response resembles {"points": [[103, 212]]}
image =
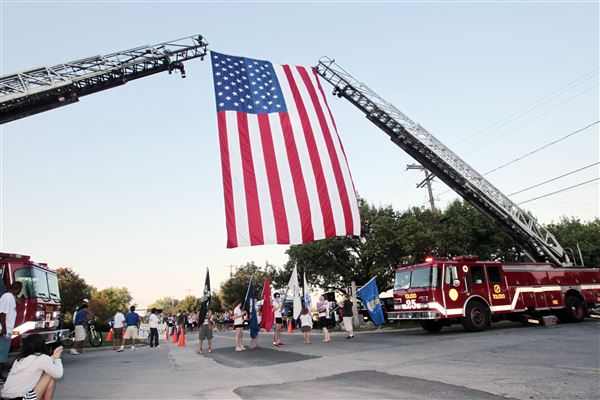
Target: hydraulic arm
{"points": [[34, 91], [535, 240]]}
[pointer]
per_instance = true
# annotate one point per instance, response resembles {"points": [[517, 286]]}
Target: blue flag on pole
{"points": [[250, 302], [369, 294]]}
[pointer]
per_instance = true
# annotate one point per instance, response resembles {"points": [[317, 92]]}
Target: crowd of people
{"points": [[34, 372]]}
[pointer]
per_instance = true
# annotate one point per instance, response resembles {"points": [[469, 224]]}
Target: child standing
{"points": [[306, 324]]}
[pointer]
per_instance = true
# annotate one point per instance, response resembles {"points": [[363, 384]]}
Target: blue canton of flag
{"points": [[247, 85], [369, 294]]}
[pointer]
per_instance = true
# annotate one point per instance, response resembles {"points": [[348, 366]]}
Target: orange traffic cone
{"points": [[167, 333], [290, 327], [175, 340], [181, 339], [109, 336]]}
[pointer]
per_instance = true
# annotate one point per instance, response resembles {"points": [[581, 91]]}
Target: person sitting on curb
{"points": [[34, 373]]}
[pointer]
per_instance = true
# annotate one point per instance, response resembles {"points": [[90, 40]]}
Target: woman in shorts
{"points": [[206, 332], [323, 310], [306, 324], [277, 308], [238, 325]]}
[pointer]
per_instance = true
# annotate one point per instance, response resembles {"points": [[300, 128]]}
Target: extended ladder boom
{"points": [[34, 91], [535, 240]]}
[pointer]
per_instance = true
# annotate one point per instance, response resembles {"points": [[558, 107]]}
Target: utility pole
{"points": [[425, 182], [231, 268]]}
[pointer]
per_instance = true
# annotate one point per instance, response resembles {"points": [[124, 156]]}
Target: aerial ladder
{"points": [[535, 241], [30, 92]]}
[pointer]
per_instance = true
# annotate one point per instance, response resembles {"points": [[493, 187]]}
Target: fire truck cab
{"points": [[476, 293], [38, 304]]}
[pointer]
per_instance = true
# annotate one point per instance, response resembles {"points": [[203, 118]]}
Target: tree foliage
{"points": [[167, 304], [106, 302], [391, 238], [189, 304], [235, 288], [73, 289], [216, 305], [571, 231]]}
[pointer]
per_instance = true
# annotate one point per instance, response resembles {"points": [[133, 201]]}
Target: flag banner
{"points": [[205, 299], [307, 300], [250, 302], [267, 317], [369, 295], [286, 179], [296, 293]]}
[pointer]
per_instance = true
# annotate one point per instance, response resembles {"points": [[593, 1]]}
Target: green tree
{"points": [[73, 289], [190, 304], [216, 305], [390, 238], [167, 304], [108, 301], [235, 288], [571, 231]]}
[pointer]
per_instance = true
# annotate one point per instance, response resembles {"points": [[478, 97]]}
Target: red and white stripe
{"points": [[285, 175]]}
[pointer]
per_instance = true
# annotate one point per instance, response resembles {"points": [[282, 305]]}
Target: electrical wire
{"points": [[558, 191], [531, 119], [541, 148], [530, 107], [553, 179]]}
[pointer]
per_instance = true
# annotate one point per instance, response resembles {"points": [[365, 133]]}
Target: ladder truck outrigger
{"points": [[42, 89], [464, 289]]}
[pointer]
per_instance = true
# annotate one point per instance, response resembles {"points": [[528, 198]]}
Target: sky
{"points": [[125, 186]]}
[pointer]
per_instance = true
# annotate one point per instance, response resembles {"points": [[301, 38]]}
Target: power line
{"points": [[532, 119], [553, 179], [532, 106], [541, 148], [533, 152], [558, 191]]}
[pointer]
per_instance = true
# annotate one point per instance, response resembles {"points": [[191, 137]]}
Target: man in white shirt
{"points": [[118, 322], [153, 322], [8, 315]]}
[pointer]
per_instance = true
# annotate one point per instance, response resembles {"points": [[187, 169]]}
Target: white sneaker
{"points": [[238, 349], [75, 352], [121, 348], [132, 348]]}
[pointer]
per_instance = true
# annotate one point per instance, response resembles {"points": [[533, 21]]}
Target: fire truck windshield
{"points": [[417, 278], [35, 283]]}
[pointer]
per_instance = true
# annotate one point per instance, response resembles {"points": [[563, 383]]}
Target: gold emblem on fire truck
{"points": [[453, 294], [497, 289]]}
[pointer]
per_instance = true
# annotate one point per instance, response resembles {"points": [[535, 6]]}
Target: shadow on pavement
{"points": [[258, 357], [367, 385]]}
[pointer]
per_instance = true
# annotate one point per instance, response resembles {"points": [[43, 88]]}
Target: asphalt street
{"points": [[508, 361]]}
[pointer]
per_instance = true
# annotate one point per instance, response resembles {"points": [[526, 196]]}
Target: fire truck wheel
{"points": [[477, 316], [432, 326], [575, 309]]}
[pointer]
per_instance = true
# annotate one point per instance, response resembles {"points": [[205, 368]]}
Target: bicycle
{"points": [[94, 337]]}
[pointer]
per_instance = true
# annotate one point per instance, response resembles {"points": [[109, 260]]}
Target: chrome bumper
{"points": [[406, 315], [51, 336]]}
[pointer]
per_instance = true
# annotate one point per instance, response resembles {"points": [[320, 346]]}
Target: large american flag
{"points": [[285, 175]]}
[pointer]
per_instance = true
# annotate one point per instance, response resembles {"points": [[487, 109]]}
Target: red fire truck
{"points": [[475, 293], [38, 304], [464, 289]]}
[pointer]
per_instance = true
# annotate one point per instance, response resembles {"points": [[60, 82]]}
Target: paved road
{"points": [[509, 361]]}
